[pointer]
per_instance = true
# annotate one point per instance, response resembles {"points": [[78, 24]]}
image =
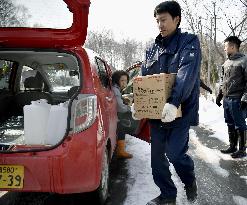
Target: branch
{"points": [[241, 23], [220, 53], [229, 22], [189, 16], [222, 32], [244, 2], [241, 29], [207, 9], [244, 40]]}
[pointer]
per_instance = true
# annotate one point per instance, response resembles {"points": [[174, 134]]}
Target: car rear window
{"points": [[35, 14], [61, 77]]}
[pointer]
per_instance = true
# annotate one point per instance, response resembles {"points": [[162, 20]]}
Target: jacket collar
{"points": [[116, 86], [235, 56], [168, 44]]}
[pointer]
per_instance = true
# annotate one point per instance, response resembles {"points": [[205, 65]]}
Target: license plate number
{"points": [[11, 176]]}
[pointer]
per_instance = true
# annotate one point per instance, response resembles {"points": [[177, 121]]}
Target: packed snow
{"points": [[240, 200], [212, 117], [141, 187], [244, 177], [210, 156]]}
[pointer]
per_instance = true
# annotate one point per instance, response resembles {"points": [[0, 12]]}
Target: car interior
{"points": [[27, 76]]}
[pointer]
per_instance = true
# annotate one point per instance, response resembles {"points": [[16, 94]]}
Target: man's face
{"points": [[166, 24], [229, 48]]}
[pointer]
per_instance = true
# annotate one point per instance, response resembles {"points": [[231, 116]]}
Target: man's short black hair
{"points": [[171, 7], [234, 40], [117, 75]]}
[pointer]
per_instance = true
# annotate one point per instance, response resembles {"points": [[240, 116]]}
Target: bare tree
{"points": [[236, 21], [244, 2], [213, 21], [11, 14], [129, 49], [119, 54], [193, 18]]}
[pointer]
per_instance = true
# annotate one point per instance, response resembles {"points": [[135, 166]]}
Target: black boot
{"points": [[233, 140], [191, 191], [242, 148], [162, 201]]}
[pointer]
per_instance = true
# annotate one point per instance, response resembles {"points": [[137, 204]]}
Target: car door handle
{"points": [[108, 99]]}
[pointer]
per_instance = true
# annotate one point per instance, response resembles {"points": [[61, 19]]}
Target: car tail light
{"points": [[84, 112]]}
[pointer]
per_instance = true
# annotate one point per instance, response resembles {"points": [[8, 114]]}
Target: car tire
{"points": [[102, 191]]}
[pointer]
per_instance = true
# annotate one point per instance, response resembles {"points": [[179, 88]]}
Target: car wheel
{"points": [[102, 191]]}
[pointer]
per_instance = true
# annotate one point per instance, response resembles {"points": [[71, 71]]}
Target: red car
{"points": [[51, 64]]}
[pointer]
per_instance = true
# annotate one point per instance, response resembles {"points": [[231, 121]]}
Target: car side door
{"points": [[136, 128], [107, 99]]}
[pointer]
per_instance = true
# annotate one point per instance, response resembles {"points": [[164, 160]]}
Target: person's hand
{"points": [[219, 98], [169, 113], [243, 105], [133, 112], [126, 100]]}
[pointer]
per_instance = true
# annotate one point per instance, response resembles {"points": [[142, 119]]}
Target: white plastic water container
{"points": [[35, 122], [57, 123]]}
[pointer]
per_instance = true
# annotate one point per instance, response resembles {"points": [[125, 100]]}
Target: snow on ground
{"points": [[212, 117], [142, 189], [244, 177], [140, 171], [140, 178], [239, 200], [210, 156]]}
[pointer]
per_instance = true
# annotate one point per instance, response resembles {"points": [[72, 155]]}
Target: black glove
{"points": [[243, 105], [219, 98]]}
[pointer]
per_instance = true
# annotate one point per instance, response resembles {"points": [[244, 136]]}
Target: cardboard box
{"points": [[151, 93]]}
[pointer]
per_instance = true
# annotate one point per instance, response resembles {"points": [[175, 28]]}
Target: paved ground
{"points": [[219, 182]]}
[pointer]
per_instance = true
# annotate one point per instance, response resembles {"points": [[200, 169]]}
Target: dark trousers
{"points": [[121, 134], [170, 144], [234, 116], [126, 125]]}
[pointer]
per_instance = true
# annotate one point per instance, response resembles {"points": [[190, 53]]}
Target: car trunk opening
{"points": [[44, 23], [36, 88]]}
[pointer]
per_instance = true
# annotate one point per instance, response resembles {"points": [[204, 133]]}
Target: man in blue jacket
{"points": [[174, 52]]}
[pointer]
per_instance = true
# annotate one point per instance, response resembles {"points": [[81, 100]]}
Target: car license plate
{"points": [[11, 176]]}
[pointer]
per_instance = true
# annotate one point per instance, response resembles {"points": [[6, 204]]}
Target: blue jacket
{"points": [[179, 54]]}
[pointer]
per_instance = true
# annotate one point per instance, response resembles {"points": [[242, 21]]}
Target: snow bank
{"points": [[211, 156], [240, 200], [212, 117]]}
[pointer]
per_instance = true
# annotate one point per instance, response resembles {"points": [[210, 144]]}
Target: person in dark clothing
{"points": [[180, 53], [120, 79], [205, 87], [234, 93]]}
